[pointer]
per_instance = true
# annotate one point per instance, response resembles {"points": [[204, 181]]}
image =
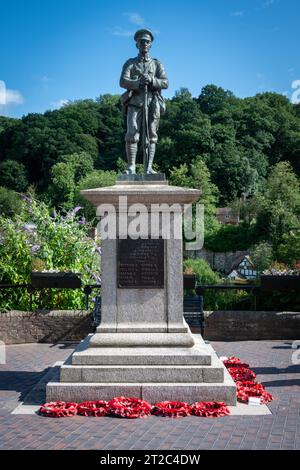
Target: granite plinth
{"points": [[149, 179], [101, 373], [143, 346]]}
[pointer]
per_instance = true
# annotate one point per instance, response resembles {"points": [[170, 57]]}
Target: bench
{"points": [[192, 311]]}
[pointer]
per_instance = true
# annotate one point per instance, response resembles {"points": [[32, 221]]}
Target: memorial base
{"points": [[143, 347], [154, 374]]}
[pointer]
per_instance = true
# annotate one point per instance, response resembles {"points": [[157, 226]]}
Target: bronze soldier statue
{"points": [[144, 78]]}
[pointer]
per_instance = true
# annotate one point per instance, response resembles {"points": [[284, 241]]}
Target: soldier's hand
{"points": [[145, 80]]}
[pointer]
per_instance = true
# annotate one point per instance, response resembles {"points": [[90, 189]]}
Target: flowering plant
{"points": [[36, 240]]}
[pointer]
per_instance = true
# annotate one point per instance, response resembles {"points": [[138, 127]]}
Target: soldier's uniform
{"points": [[134, 100]]}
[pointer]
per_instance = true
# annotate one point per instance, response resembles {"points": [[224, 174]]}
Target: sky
{"points": [[54, 51]]}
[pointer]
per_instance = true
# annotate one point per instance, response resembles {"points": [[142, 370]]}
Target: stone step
{"points": [[142, 356], [134, 373], [196, 355], [152, 392]]}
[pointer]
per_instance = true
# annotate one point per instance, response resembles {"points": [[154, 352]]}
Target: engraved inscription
{"points": [[141, 263]]}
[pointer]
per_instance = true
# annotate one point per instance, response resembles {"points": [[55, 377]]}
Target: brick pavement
{"points": [[271, 360]]}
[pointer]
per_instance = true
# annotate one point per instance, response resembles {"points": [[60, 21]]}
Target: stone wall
{"points": [[44, 326], [220, 261], [71, 325], [250, 325]]}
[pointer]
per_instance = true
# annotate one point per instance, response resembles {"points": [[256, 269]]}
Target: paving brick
{"points": [[27, 364]]}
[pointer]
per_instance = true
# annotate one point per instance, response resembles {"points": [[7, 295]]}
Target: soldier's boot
{"points": [[131, 151], [150, 160]]}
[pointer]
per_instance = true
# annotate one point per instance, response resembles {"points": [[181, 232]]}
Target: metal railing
{"points": [[87, 290]]}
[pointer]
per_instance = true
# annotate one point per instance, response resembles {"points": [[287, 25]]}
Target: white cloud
{"points": [[59, 103], [45, 79], [275, 29], [8, 96], [135, 18], [238, 13], [268, 3], [117, 31]]}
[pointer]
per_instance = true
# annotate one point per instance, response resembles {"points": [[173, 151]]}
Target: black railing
{"points": [[87, 290], [253, 289]]}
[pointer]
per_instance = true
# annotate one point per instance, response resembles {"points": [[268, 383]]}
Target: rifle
{"points": [[145, 142]]}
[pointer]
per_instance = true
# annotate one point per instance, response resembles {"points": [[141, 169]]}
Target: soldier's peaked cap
{"points": [[143, 34]]}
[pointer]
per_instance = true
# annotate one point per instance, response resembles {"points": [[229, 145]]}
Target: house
{"points": [[225, 216], [245, 269]]}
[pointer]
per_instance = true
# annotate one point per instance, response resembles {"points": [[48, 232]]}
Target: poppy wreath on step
{"points": [[249, 388], [233, 361], [241, 374], [209, 409], [172, 409], [93, 408], [58, 409], [129, 407]]}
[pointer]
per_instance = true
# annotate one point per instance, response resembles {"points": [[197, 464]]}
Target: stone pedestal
{"points": [[143, 346]]}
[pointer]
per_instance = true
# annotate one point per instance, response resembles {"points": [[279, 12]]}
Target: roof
{"points": [[223, 210]]}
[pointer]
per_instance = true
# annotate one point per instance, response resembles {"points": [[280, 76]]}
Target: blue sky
{"points": [[52, 51]]}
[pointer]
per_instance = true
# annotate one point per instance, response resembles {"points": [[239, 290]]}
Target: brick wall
{"points": [[71, 325], [44, 326], [250, 325]]}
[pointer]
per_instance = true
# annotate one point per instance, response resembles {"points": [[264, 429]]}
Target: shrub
{"points": [[10, 203], [215, 299], [37, 240]]}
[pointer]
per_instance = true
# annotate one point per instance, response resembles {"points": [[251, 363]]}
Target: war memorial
{"points": [[143, 347]]}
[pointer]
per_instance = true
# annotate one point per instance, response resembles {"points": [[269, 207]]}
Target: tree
{"points": [[213, 99], [262, 256], [110, 132], [247, 209], [13, 175], [10, 203], [197, 176], [280, 208], [288, 250], [62, 188], [95, 179]]}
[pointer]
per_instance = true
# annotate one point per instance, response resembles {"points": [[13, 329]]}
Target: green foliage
{"points": [[65, 175], [94, 179], [203, 271], [10, 203], [247, 209], [262, 256], [197, 175], [288, 250], [238, 139], [13, 175], [214, 299], [280, 209], [230, 238], [34, 239]]}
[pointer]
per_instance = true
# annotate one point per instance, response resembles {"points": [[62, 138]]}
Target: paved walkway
{"points": [[271, 360]]}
